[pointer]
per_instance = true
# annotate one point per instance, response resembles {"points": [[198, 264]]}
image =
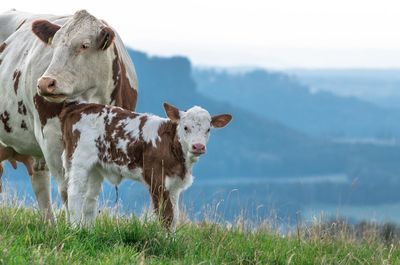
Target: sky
{"points": [[230, 33]]}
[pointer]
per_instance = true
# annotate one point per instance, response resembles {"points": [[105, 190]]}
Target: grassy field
{"points": [[26, 239]]}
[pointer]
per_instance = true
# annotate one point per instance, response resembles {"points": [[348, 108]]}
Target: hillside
{"points": [[251, 145], [379, 86], [25, 239], [284, 98]]}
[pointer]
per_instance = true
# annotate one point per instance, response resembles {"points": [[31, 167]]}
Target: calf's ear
{"points": [[219, 121], [44, 30], [172, 112], [105, 38]]}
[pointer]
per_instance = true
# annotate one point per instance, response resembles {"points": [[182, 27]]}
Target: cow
{"points": [[47, 61], [103, 141]]}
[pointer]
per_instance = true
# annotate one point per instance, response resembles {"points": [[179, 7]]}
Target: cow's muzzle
{"points": [[46, 85]]}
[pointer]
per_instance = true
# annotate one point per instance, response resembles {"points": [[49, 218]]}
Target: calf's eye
{"points": [[186, 128]]}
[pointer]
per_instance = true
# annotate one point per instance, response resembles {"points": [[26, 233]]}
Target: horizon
{"points": [[265, 34]]}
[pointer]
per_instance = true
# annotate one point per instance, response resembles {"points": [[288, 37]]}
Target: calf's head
{"points": [[81, 58], [193, 127]]}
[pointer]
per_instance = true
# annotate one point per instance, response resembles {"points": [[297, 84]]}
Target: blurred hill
{"points": [[284, 98], [379, 86]]}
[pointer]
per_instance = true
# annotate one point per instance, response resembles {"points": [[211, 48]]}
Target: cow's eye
{"points": [[84, 46], [186, 129]]}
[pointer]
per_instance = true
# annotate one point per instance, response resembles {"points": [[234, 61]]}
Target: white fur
{"points": [[198, 121], [150, 129], [175, 185], [132, 125]]}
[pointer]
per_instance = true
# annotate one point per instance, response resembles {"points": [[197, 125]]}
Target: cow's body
{"points": [[29, 124], [109, 142]]}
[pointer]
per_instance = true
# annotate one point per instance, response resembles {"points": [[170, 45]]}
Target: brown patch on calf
{"points": [[5, 118], [21, 108], [20, 25], [123, 95], [71, 114], [46, 109], [44, 30], [3, 47], [114, 132], [16, 76]]}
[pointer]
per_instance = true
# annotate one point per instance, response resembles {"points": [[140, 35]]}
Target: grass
{"points": [[26, 239]]}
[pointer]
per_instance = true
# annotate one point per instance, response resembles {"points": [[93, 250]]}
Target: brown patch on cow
{"points": [[105, 38], [44, 30], [5, 118], [23, 125], [16, 76], [21, 108], [123, 95], [3, 47], [20, 25], [46, 110]]}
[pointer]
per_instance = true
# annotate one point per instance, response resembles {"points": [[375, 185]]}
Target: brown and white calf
{"points": [[109, 142]]}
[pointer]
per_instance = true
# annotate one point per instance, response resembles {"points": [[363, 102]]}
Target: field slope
{"points": [[25, 239]]}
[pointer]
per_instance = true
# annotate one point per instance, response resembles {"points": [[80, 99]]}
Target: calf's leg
{"points": [[93, 188], [78, 178], [162, 204]]}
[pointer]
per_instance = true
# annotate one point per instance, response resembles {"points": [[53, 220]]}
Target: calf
{"points": [[105, 141]]}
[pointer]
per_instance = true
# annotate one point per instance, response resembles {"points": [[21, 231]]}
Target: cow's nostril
{"points": [[52, 83], [47, 85]]}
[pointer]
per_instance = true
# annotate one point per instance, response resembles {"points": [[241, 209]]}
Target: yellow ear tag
{"points": [[105, 44]]}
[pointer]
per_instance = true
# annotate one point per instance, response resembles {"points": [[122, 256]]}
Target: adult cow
{"points": [[46, 60]]}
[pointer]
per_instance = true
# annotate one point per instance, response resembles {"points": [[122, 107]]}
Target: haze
{"points": [[274, 34]]}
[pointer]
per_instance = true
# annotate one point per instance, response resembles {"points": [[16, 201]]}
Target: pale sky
{"points": [[274, 34]]}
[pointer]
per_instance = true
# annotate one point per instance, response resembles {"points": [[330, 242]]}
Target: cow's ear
{"points": [[105, 38], [44, 30], [172, 112], [219, 121]]}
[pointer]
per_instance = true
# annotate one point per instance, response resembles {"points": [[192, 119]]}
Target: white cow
{"points": [[46, 60], [109, 142]]}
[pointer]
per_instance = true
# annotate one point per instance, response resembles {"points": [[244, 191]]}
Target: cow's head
{"points": [[194, 127], [81, 58]]}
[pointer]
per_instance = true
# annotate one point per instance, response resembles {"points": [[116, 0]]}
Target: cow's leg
{"points": [[91, 196], [1, 175], [40, 180], [162, 204]]}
